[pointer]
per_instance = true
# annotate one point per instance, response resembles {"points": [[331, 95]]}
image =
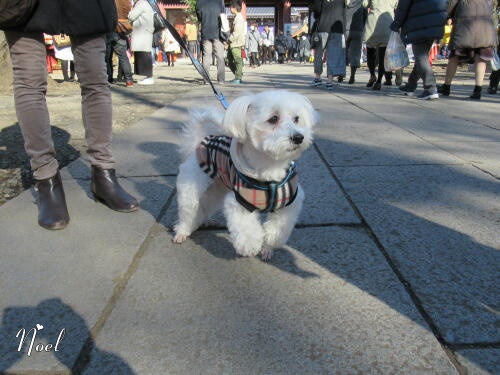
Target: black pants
{"points": [[254, 61], [118, 45], [422, 68], [375, 56], [66, 66]]}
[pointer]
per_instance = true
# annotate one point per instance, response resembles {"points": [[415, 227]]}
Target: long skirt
{"points": [[335, 55], [143, 64]]}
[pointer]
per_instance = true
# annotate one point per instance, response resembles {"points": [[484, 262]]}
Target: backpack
{"points": [[16, 13]]}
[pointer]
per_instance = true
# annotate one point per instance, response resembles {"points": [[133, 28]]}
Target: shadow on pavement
{"points": [[75, 346]]}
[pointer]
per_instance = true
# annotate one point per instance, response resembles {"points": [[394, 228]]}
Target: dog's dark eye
{"points": [[273, 120], [296, 119]]}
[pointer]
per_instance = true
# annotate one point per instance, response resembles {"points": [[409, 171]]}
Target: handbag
{"points": [[158, 22], [61, 41], [15, 13], [224, 30], [396, 56], [315, 37], [243, 53], [123, 27]]}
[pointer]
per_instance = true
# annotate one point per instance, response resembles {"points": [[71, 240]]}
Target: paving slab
{"points": [[480, 361], [440, 226], [324, 202], [64, 279], [329, 305], [484, 155]]}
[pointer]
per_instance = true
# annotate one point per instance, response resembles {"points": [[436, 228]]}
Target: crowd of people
{"points": [[467, 29]]}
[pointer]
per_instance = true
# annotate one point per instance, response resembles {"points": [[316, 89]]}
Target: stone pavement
{"points": [[393, 268]]}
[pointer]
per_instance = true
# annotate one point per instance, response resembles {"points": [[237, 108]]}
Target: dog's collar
{"points": [[239, 161]]}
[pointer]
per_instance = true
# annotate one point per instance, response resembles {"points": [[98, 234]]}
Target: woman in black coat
{"points": [[86, 22], [421, 23]]}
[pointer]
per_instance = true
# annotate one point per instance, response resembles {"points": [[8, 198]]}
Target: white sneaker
{"points": [[146, 81]]}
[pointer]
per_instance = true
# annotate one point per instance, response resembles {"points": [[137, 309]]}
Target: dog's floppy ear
{"points": [[235, 119]]}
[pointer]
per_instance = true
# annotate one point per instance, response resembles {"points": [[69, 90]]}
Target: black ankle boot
{"points": [[476, 94], [51, 202], [106, 189], [444, 89], [493, 87]]}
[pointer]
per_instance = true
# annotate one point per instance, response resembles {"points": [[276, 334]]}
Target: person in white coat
{"points": [[141, 17]]}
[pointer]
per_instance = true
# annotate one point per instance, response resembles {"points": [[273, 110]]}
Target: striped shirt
{"points": [[214, 157]]}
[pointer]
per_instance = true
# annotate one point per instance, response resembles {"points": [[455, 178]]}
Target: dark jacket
{"points": [[329, 15], [73, 17], [354, 16], [280, 43], [208, 12], [420, 20], [473, 23]]}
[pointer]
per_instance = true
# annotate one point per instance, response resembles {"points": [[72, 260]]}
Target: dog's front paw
{"points": [[179, 238], [266, 253], [247, 248]]}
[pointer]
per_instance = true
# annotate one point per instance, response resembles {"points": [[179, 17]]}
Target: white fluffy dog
{"points": [[243, 160]]}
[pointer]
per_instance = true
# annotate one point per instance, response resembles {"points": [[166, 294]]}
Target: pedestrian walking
{"points": [[87, 24], [236, 42], [421, 23], [116, 41], [473, 40], [330, 26], [380, 15], [141, 17], [208, 12], [170, 46], [267, 38], [252, 45], [280, 44], [192, 38], [304, 48], [355, 22]]}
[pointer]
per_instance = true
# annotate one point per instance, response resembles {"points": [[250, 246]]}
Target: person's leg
{"points": [[424, 69], [65, 68], [219, 55], [27, 51], [120, 48], [28, 54], [371, 58], [318, 54], [109, 56], [381, 67], [237, 63], [206, 46], [479, 69], [494, 80], [96, 98], [97, 113], [451, 69]]}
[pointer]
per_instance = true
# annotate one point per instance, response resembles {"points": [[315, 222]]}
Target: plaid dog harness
{"points": [[214, 157]]}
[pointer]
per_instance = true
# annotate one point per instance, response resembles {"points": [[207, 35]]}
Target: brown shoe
{"points": [[129, 83], [51, 202], [106, 189]]}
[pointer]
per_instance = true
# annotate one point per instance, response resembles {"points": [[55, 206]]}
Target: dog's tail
{"points": [[202, 122]]}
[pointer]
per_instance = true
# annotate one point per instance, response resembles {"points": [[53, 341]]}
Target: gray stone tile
{"points": [[379, 145], [480, 361], [440, 226], [324, 202], [328, 305], [484, 155], [64, 279], [147, 152]]}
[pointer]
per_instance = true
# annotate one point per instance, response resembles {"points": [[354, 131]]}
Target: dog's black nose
{"points": [[297, 138]]}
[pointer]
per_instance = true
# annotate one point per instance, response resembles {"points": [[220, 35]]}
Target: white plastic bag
{"points": [[396, 56], [495, 62]]}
